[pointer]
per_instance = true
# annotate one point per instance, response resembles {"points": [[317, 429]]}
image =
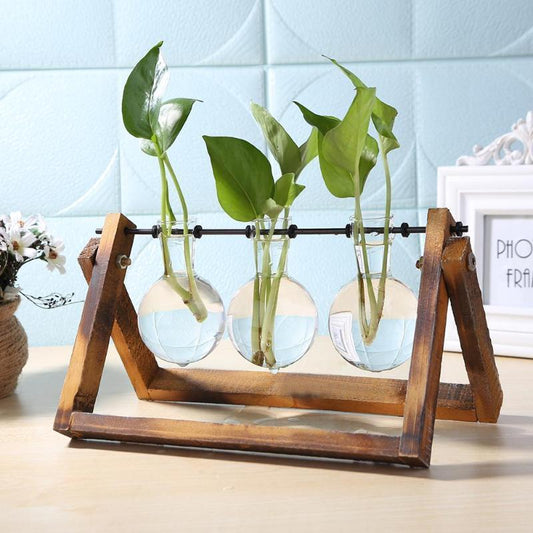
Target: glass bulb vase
{"points": [[372, 319], [181, 318], [272, 320]]}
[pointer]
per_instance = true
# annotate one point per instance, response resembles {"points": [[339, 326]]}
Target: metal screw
{"points": [[471, 262], [123, 261]]}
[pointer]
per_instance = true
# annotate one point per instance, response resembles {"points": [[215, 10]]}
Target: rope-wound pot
{"points": [[13, 347]]}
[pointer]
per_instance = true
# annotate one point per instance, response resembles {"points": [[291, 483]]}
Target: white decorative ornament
{"points": [[502, 149]]}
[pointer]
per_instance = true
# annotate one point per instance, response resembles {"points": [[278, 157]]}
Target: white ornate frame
{"points": [[471, 193], [477, 188]]}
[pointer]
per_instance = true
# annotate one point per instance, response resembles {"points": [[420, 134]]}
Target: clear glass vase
{"points": [[272, 320], [387, 344], [177, 324]]}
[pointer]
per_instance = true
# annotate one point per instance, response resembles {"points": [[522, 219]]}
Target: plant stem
{"points": [[262, 294], [368, 325], [388, 200], [267, 339], [197, 305], [165, 233], [191, 297], [257, 356]]}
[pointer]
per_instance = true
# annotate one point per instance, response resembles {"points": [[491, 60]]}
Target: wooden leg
{"points": [[92, 340], [424, 374], [138, 360], [458, 264]]}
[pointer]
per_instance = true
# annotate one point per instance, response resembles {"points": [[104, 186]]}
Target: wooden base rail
{"points": [[269, 439], [304, 391], [448, 274]]}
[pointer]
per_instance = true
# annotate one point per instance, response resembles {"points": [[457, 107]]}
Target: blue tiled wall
{"points": [[459, 73]]}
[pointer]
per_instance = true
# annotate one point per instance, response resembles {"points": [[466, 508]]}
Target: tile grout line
{"points": [[414, 80], [118, 114], [266, 74], [384, 62]]}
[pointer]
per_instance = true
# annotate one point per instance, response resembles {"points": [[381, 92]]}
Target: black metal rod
{"points": [[292, 231]]}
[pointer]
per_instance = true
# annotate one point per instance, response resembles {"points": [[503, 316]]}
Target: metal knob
{"points": [[123, 261]]}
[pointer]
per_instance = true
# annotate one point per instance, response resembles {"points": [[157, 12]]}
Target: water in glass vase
{"points": [[272, 320], [180, 324], [169, 329], [394, 339], [294, 328], [387, 340]]}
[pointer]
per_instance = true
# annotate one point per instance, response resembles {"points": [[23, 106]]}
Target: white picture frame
{"points": [[473, 193]]}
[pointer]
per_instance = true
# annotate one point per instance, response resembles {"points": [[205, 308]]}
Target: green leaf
{"points": [[343, 145], [338, 180], [271, 209], [308, 150], [322, 122], [369, 158], [148, 147], [142, 94], [172, 116], [280, 143], [383, 115], [286, 190], [243, 177]]}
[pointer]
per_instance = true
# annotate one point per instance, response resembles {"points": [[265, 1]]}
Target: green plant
{"points": [[247, 192], [347, 153], [157, 124]]}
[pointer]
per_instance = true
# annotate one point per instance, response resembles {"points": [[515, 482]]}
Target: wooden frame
{"points": [[447, 273]]}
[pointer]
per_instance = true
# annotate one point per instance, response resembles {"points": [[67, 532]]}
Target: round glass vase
{"points": [[272, 319], [385, 342], [177, 324]]}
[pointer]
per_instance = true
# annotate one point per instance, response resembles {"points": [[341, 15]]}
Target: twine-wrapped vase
{"points": [[13, 347]]}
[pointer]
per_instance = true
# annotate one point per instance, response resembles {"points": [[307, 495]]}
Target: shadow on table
{"points": [[38, 392], [439, 472]]}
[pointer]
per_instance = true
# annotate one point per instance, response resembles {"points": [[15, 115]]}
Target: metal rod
{"points": [[292, 231]]}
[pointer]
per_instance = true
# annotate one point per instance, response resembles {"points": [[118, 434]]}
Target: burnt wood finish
{"points": [[312, 442], [92, 340], [458, 265], [108, 311], [303, 391], [424, 374], [138, 360]]}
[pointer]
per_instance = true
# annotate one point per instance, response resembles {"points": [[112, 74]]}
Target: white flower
{"points": [[53, 257], [36, 224], [19, 242], [15, 220]]}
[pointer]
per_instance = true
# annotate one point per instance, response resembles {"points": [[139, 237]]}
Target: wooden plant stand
{"points": [[448, 272]]}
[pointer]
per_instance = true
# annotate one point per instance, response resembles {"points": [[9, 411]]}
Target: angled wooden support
{"points": [[138, 360], [446, 274], [424, 374], [459, 267], [92, 340]]}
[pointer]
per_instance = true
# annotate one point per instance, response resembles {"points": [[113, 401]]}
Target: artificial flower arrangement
{"points": [[22, 241]]}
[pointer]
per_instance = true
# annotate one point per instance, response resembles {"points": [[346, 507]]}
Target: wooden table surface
{"points": [[481, 477]]}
